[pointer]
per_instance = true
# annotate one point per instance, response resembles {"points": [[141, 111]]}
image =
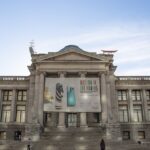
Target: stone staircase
{"points": [[73, 139]]}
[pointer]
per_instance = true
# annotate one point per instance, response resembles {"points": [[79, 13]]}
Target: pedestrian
{"points": [[28, 147], [102, 145]]}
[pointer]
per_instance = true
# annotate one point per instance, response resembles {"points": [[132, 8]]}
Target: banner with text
{"points": [[72, 95]]}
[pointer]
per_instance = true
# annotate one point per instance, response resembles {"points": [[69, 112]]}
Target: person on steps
{"points": [[102, 145]]}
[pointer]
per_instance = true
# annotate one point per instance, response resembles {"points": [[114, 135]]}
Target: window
{"points": [[20, 114], [137, 113], [148, 95], [2, 135], [7, 95], [17, 136], [6, 111], [148, 114], [126, 135], [123, 113], [96, 117], [21, 95], [141, 134], [122, 94], [136, 95]]}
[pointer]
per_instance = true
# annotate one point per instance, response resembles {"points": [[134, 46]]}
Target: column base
{"points": [[83, 126], [61, 126]]}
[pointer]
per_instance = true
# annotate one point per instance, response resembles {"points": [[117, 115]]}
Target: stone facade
{"points": [[124, 101]]}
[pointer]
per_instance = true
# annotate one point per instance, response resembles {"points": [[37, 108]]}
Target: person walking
{"points": [[102, 145]]}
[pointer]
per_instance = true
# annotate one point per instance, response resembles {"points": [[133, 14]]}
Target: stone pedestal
{"points": [[113, 132], [32, 131], [83, 120], [61, 119]]}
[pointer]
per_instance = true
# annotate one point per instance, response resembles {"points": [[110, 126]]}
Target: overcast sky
{"points": [[91, 24]]}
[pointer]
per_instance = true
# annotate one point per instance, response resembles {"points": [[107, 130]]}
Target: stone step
{"points": [[47, 145], [86, 146]]}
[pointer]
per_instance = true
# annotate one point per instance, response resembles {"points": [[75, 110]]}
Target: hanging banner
{"points": [[72, 95]]}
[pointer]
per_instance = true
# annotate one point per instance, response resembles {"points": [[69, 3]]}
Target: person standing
{"points": [[102, 145]]}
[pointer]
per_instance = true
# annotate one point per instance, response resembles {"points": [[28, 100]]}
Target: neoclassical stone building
{"points": [[74, 88]]}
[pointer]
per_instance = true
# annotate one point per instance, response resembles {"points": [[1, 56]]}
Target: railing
{"points": [[133, 77], [12, 78]]}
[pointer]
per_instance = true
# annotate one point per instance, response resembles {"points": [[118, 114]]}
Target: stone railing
{"points": [[12, 78], [124, 78]]}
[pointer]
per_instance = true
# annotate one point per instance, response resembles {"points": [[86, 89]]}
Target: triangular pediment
{"points": [[71, 53]]}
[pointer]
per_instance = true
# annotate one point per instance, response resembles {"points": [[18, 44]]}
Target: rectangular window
{"points": [[136, 95], [122, 95], [137, 113], [2, 135], [7, 95], [20, 114], [141, 134], [126, 135], [123, 113], [21, 95], [6, 112], [17, 136], [148, 114], [148, 95]]}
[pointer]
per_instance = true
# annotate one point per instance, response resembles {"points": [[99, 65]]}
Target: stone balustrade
{"points": [[133, 78], [13, 78]]}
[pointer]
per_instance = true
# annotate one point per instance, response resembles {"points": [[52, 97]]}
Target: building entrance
{"points": [[72, 119], [47, 119]]}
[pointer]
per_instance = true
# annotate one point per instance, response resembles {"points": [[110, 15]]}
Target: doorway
{"points": [[47, 118], [72, 120]]}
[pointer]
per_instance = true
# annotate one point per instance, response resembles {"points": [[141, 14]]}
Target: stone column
{"points": [[30, 100], [36, 99], [83, 117], [41, 95], [103, 98], [145, 106], [110, 116], [13, 106], [61, 117]]}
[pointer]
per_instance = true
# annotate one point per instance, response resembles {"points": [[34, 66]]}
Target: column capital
{"points": [[82, 73], [37, 72], [62, 74], [102, 73]]}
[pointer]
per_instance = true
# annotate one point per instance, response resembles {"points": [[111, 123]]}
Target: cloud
{"points": [[136, 71], [131, 41]]}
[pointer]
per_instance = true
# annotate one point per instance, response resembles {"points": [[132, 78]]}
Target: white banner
{"points": [[72, 95]]}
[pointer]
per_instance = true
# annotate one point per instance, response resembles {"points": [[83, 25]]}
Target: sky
{"points": [[93, 25]]}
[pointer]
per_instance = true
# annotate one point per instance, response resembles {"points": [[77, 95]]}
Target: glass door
{"points": [[72, 120]]}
